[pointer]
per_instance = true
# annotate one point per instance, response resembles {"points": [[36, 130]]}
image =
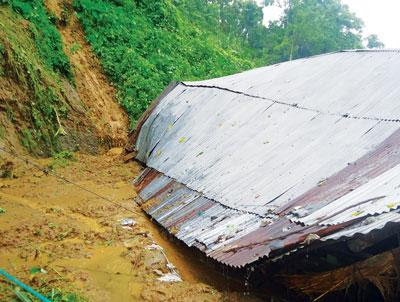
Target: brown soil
{"points": [[92, 86], [77, 237]]}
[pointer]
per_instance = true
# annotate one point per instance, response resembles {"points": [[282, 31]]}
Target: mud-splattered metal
{"points": [[249, 165]]}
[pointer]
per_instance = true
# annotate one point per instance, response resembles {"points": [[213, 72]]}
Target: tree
{"points": [[310, 27], [374, 42]]}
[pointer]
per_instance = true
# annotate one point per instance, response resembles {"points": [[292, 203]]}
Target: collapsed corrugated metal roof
{"points": [[249, 165]]}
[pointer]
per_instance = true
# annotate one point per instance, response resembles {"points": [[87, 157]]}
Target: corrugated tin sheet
{"points": [[249, 165]]}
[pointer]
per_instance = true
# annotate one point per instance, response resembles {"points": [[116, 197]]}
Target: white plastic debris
{"points": [[170, 277], [153, 247], [158, 272], [128, 222]]}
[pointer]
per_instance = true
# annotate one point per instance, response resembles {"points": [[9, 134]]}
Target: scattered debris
{"points": [[128, 223], [130, 243], [158, 272], [310, 238], [170, 277], [153, 247]]}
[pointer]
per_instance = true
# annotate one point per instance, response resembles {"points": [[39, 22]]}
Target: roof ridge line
{"points": [[293, 105]]}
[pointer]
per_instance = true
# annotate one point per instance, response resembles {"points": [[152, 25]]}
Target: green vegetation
{"points": [[75, 47], [45, 34], [16, 294], [31, 55], [374, 42], [45, 283], [143, 45], [61, 159]]}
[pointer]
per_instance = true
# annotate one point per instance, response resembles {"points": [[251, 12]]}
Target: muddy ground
{"points": [[54, 235]]}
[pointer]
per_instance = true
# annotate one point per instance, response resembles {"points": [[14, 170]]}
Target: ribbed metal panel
{"points": [[250, 164]]}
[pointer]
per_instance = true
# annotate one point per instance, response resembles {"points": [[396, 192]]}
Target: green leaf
{"points": [[21, 296], [35, 270], [357, 213]]}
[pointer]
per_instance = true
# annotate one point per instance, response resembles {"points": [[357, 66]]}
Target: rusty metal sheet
{"points": [[192, 218], [249, 165]]}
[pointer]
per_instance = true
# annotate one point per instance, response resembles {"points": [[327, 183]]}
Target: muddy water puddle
{"points": [[80, 243]]}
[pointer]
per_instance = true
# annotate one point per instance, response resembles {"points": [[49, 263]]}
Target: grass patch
{"points": [[12, 293], [28, 140], [62, 159], [75, 47]]}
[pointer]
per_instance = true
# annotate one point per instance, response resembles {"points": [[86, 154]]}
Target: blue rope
{"points": [[26, 287]]}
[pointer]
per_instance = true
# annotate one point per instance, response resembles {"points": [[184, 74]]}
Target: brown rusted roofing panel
{"points": [[383, 158], [228, 236]]}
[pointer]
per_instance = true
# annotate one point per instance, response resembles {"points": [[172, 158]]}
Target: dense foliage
{"points": [[144, 44], [45, 34]]}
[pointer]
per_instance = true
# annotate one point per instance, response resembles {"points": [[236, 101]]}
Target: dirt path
{"points": [[92, 86], [77, 238]]}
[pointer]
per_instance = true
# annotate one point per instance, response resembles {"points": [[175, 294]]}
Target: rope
{"points": [[24, 286]]}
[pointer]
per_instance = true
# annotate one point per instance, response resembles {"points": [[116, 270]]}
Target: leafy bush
{"points": [[45, 34], [61, 159]]}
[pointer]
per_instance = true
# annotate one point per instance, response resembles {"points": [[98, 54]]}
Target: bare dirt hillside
{"points": [[92, 86], [55, 235]]}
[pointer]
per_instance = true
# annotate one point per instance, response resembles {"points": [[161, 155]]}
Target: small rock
{"points": [[39, 174]]}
